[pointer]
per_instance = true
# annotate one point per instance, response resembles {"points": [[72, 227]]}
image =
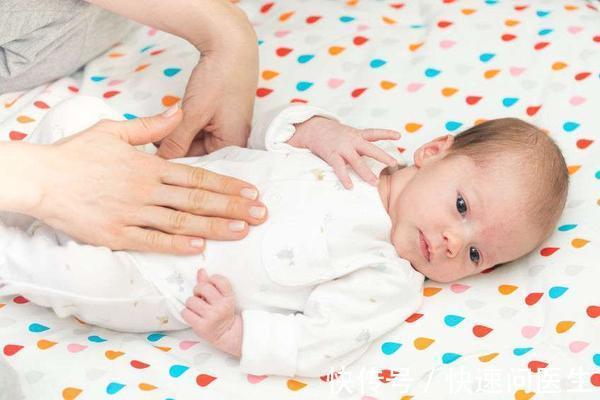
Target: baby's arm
{"points": [[308, 128], [340, 320], [211, 313]]}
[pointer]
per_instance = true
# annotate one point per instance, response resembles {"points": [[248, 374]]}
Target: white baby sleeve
{"points": [[276, 127], [340, 320]]}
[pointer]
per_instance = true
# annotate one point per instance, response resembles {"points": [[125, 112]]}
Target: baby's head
{"points": [[482, 198]]}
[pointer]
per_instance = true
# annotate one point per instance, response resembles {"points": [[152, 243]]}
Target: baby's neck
{"points": [[391, 184]]}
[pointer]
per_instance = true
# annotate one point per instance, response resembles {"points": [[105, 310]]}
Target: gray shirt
{"points": [[42, 40]]}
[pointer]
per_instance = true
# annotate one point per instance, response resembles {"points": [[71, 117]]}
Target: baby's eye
{"points": [[461, 204], [474, 254]]}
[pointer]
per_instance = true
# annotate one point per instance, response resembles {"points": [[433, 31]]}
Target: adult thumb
{"points": [[144, 130]]}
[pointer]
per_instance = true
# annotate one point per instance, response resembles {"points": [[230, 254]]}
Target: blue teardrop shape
{"points": [[96, 339], [557, 291], [447, 358], [171, 71], [597, 359], [567, 227], [542, 13], [544, 32], [417, 26], [129, 116], [114, 387], [390, 347], [485, 57], [346, 18], [509, 101], [570, 126], [491, 2], [304, 58], [376, 63], [453, 320], [98, 78], [431, 72], [260, 42], [177, 370], [519, 351], [155, 337], [147, 48], [35, 327], [302, 86], [453, 125]]}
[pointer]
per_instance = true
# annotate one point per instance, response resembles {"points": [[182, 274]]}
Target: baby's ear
{"points": [[433, 151]]}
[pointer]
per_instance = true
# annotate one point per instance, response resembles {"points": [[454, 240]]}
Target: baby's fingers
{"points": [[361, 168], [370, 150], [379, 134], [339, 167]]}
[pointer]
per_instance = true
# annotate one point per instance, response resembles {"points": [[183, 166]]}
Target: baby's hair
{"points": [[542, 162]]}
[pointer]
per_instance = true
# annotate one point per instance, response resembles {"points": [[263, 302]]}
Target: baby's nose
{"points": [[454, 243]]}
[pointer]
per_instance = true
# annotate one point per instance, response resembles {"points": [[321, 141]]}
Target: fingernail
{"points": [[248, 193], [171, 111], [257, 212], [237, 226], [198, 243]]}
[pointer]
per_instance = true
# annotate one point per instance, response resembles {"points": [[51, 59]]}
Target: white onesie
{"points": [[315, 284]]}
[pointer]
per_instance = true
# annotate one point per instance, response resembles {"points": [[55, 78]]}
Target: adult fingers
{"points": [[379, 134], [178, 142], [144, 130], [182, 223], [143, 239], [194, 177], [361, 168], [370, 150], [210, 204]]}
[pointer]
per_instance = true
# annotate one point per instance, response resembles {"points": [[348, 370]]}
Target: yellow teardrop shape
{"points": [[557, 66], [70, 393], [415, 46], [44, 344], [268, 74], [564, 326], [578, 243], [387, 85], [488, 357], [449, 91], [146, 386], [295, 385], [421, 343], [412, 127], [573, 168], [335, 50], [24, 119], [430, 291], [389, 20], [490, 73], [507, 289]]}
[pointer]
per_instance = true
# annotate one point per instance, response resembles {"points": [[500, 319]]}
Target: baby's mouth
{"points": [[424, 246]]}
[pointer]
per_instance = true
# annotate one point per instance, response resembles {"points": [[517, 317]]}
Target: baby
{"points": [[331, 270]]}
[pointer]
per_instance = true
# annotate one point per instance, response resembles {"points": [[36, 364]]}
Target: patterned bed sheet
{"points": [[529, 330]]}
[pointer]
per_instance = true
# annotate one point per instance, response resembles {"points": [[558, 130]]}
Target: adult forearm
{"points": [[21, 176], [208, 24]]}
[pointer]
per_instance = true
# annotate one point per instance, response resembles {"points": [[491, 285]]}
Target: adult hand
{"points": [[99, 189], [219, 98]]}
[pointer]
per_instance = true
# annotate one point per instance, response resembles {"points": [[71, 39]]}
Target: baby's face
{"points": [[451, 218]]}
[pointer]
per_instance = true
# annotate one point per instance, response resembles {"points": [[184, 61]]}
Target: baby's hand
{"points": [[211, 313], [338, 144]]}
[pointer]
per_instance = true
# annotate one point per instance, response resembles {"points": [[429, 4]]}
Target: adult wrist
{"points": [[22, 173]]}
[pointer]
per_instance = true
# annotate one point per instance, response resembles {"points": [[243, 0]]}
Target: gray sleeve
{"points": [[42, 40]]}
